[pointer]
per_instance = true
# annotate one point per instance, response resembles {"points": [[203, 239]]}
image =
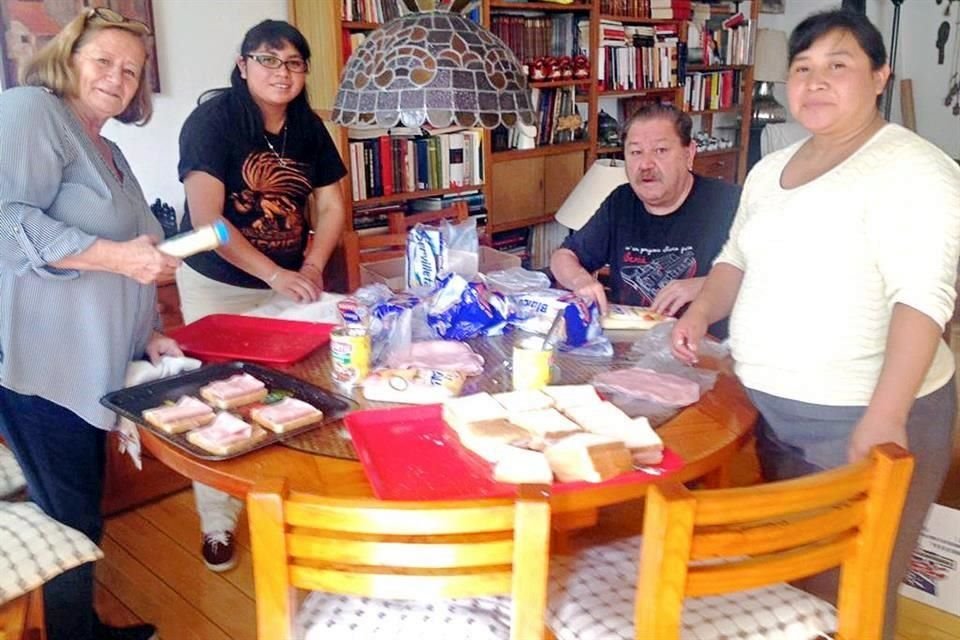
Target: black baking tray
{"points": [[133, 401]]}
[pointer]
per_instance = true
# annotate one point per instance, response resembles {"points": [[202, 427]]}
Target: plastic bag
{"points": [[461, 310], [517, 280], [463, 247]]}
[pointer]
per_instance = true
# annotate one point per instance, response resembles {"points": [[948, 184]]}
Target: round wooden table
{"points": [[706, 435]]}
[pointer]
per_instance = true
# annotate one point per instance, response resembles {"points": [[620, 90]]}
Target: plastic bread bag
{"points": [[391, 325], [517, 280], [460, 309], [657, 395], [652, 351], [580, 330], [463, 247]]}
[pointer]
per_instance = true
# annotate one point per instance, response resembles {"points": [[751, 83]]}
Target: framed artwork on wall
{"points": [[27, 25], [773, 6]]}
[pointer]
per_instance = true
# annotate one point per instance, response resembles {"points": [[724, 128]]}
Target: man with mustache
{"points": [[659, 232]]}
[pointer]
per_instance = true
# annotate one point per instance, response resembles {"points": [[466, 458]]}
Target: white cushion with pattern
{"points": [[35, 548], [11, 476], [592, 598], [324, 616]]}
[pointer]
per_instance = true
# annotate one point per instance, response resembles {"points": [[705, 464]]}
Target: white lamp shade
{"points": [[771, 56], [603, 177]]}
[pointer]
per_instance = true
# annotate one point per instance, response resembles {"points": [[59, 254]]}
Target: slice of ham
{"points": [[445, 355], [187, 407], [235, 386], [287, 410], [225, 429], [646, 384]]}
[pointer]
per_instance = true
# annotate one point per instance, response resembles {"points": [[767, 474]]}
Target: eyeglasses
{"points": [[294, 65], [112, 17]]}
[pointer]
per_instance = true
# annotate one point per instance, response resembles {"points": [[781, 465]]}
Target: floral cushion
{"points": [[592, 598], [11, 477], [35, 548], [324, 616]]}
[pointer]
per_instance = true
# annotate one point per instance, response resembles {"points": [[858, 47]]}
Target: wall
{"points": [[916, 59], [197, 42]]}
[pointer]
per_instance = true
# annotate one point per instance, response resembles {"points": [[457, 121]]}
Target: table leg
{"points": [[565, 524]]}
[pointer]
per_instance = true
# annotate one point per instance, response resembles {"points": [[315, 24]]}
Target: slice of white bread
{"points": [[490, 438], [524, 400], [227, 434], [588, 456], [544, 421], [235, 391], [287, 414], [572, 395], [620, 316], [188, 413], [473, 408], [522, 466], [607, 419]]}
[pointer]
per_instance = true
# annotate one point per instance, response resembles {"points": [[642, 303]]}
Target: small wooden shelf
{"points": [[539, 6], [413, 195], [545, 150], [518, 224], [608, 151], [717, 152], [639, 20], [353, 25], [549, 84], [716, 67], [732, 109], [636, 92]]}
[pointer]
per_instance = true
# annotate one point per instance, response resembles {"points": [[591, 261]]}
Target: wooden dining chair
{"points": [[714, 563], [360, 249], [382, 570], [22, 618], [399, 222]]}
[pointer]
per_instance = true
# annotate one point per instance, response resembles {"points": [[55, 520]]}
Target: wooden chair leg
{"points": [[22, 619], [36, 624]]}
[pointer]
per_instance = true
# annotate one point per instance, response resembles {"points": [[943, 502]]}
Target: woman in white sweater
{"points": [[839, 279]]}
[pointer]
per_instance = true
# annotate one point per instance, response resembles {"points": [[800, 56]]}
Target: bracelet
{"points": [[273, 278]]}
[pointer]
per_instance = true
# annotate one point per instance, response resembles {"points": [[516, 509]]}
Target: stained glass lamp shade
{"points": [[433, 68]]}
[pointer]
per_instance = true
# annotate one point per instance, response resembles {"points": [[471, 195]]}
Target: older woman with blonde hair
{"points": [[840, 280], [78, 266]]}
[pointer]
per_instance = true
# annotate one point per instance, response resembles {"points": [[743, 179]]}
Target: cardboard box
{"points": [[934, 575], [393, 273]]}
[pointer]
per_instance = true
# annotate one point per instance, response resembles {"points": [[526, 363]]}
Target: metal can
{"points": [[350, 355]]}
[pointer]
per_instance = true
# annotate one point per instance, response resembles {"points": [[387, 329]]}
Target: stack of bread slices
{"points": [[563, 431]]}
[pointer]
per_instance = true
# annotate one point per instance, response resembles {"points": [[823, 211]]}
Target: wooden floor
{"points": [[153, 571]]}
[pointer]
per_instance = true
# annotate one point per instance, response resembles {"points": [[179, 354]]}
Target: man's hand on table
{"points": [[586, 286], [677, 293]]}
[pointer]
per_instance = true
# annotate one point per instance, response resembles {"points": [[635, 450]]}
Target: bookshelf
{"points": [[526, 186]]}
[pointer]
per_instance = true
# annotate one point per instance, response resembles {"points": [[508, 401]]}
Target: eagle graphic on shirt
{"points": [[274, 197], [646, 275]]}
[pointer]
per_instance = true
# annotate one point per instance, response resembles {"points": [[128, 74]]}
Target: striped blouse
{"points": [[65, 335]]}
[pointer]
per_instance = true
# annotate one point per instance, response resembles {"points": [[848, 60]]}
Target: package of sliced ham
{"points": [[665, 389]]}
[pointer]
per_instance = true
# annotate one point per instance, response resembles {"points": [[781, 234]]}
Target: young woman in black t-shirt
{"points": [[253, 154]]}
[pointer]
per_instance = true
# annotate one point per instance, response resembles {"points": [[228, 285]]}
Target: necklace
{"points": [[283, 147]]}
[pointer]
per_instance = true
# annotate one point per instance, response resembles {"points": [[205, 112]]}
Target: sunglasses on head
{"points": [[104, 14]]}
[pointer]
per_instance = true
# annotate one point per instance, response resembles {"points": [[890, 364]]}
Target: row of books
{"points": [[372, 220], [531, 37], [552, 105], [658, 9], [370, 10], [727, 41], [647, 57], [515, 242], [711, 90], [392, 163]]}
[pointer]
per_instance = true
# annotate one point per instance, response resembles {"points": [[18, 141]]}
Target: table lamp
{"points": [[433, 67], [603, 177], [770, 67]]}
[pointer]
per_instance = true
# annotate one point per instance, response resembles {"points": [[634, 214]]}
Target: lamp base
{"points": [[766, 109]]}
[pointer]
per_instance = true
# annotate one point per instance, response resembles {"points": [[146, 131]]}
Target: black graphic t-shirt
{"points": [[265, 199], [646, 251]]}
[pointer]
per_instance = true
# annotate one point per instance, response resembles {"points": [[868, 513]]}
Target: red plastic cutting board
{"points": [[222, 337], [410, 453]]}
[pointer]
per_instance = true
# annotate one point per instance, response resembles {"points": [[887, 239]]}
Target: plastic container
{"points": [[200, 239]]}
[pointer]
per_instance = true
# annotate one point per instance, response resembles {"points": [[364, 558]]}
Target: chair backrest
{"points": [[359, 249], [455, 213], [397, 550], [699, 543]]}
